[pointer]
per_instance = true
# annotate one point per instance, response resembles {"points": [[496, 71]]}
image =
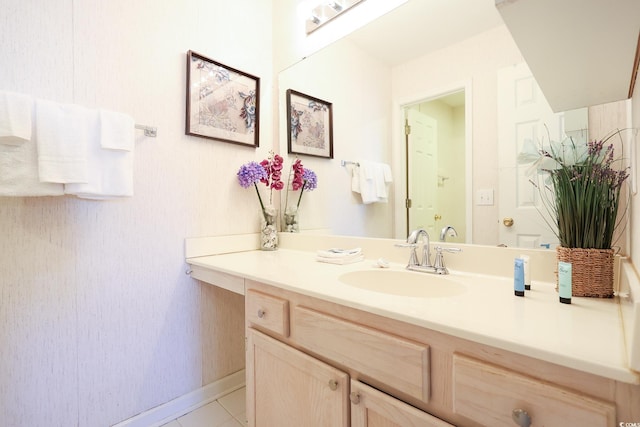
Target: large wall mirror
{"points": [[448, 67]]}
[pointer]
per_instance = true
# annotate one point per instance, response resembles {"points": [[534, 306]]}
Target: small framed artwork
{"points": [[309, 125], [222, 103]]}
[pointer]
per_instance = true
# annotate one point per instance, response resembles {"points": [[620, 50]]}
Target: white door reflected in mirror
{"points": [[524, 114]]}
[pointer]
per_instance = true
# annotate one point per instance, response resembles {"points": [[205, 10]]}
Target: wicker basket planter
{"points": [[591, 271]]}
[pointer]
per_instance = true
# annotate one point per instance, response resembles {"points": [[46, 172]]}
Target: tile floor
{"points": [[227, 411]]}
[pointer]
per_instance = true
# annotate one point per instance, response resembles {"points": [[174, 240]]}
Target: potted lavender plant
{"points": [[581, 185]]}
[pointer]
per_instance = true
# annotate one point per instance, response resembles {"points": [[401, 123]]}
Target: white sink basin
{"points": [[404, 283]]}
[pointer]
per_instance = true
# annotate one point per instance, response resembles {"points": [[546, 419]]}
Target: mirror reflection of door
{"points": [[422, 146], [523, 114], [436, 165]]}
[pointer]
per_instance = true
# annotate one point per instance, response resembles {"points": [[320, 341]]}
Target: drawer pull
{"points": [[333, 385], [261, 313], [521, 417], [354, 397]]}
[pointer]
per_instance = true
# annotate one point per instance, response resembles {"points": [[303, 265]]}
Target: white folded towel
{"points": [[116, 131], [341, 261], [340, 256], [339, 253], [15, 118], [109, 160], [62, 134], [19, 172]]}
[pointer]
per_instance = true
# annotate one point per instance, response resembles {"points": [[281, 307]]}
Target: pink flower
{"points": [[298, 172]]}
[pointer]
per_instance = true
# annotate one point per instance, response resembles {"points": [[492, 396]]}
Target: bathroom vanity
{"points": [[324, 352]]}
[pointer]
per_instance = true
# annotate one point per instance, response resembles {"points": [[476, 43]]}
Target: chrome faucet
{"points": [[425, 264], [448, 231], [426, 253]]}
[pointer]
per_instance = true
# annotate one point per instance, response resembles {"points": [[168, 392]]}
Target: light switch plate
{"points": [[485, 197]]}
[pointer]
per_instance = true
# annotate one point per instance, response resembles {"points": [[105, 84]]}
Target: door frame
{"points": [[399, 153]]}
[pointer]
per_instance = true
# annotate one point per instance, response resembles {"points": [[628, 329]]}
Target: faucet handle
{"points": [[413, 258], [450, 250], [439, 262]]}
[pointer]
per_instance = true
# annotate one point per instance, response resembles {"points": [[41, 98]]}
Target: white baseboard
{"points": [[184, 404]]}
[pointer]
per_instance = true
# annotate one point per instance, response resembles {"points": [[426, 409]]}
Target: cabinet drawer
{"points": [[385, 360], [488, 394], [267, 312]]}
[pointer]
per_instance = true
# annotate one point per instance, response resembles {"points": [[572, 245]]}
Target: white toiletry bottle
{"points": [[564, 282]]}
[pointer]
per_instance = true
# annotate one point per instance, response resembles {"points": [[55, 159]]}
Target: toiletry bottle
{"points": [[564, 282], [518, 277], [527, 272]]}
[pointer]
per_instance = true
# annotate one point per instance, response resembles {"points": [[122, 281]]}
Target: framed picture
{"points": [[309, 125], [222, 103]]}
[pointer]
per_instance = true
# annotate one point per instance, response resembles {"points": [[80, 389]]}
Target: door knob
{"points": [[508, 222], [437, 217]]}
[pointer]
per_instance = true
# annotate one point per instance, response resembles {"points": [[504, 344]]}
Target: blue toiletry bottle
{"points": [[518, 277]]}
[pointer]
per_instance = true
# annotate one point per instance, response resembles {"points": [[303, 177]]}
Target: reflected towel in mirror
{"points": [[371, 181]]}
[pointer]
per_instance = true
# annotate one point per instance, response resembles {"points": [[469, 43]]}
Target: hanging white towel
{"points": [[371, 179], [15, 118], [62, 134], [109, 160], [19, 172], [382, 177], [116, 131]]}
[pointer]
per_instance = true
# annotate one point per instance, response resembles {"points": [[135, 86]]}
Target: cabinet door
{"points": [[288, 387], [372, 408]]}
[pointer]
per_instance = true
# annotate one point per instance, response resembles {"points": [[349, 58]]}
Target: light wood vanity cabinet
{"points": [[315, 363]]}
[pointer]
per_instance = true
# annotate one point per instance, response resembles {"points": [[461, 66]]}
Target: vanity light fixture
{"points": [[326, 10], [335, 6]]}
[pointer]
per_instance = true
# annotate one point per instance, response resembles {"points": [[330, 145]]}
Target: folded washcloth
{"points": [[116, 131], [19, 172], [109, 159], [340, 256], [63, 132], [341, 261], [15, 118], [339, 253]]}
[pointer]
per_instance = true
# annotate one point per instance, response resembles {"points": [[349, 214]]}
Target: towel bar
{"points": [[148, 130], [348, 162]]}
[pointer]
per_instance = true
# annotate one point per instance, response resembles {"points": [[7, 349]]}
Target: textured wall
{"points": [[98, 320]]}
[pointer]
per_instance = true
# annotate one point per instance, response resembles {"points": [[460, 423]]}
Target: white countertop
{"points": [[586, 335]]}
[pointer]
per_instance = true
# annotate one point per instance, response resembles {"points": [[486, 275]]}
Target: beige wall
{"points": [[99, 321]]}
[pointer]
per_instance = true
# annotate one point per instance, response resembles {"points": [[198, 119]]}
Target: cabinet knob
{"points": [[333, 384], [261, 313], [521, 417], [354, 397]]}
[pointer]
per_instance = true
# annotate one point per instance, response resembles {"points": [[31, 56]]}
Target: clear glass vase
{"points": [[269, 229], [291, 216]]}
